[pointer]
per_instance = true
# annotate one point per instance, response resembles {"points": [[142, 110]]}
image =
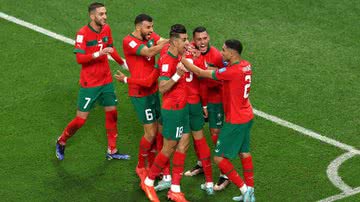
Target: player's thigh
{"points": [[87, 98], [146, 108], [175, 123], [246, 130], [216, 115], [196, 117], [230, 141], [107, 97]]}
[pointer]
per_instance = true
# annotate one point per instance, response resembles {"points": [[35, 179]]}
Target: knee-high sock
{"points": [[152, 155], [159, 163], [204, 156], [111, 129], [248, 171], [71, 129], [214, 138], [159, 141], [178, 167], [228, 169], [144, 149]]}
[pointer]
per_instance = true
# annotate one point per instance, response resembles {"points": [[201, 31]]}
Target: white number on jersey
{"points": [[247, 86]]}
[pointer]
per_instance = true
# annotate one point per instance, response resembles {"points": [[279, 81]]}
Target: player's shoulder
{"points": [[213, 50], [83, 30], [244, 66]]}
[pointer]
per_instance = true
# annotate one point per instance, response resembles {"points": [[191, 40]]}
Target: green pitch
{"points": [[306, 60]]}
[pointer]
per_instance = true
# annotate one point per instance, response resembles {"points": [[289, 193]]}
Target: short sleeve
{"points": [[110, 40], [132, 46], [80, 43], [167, 69], [223, 74], [155, 36]]}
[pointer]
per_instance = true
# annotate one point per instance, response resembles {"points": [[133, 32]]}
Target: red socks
{"points": [[159, 163], [144, 149], [228, 169], [178, 167], [111, 129], [214, 138], [248, 171], [71, 129], [203, 154]]}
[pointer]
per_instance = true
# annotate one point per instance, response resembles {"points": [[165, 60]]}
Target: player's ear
{"points": [[138, 26]]}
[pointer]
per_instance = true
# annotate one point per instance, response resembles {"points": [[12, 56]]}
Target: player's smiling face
{"points": [[181, 42], [146, 29], [201, 40], [99, 16]]}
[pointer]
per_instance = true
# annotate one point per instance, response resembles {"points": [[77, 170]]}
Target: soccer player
{"points": [[197, 121], [211, 97], [234, 138], [140, 48], [92, 46], [175, 116]]}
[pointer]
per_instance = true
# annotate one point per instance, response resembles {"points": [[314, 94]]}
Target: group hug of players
{"points": [[196, 81]]}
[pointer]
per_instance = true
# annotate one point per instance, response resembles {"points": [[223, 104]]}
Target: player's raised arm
{"points": [[196, 70]]}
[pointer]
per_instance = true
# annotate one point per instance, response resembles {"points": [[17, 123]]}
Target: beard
{"points": [[98, 23]]}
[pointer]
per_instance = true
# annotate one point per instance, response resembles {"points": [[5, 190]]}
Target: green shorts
{"points": [[216, 115], [175, 123], [196, 117], [233, 139], [105, 95], [147, 108]]}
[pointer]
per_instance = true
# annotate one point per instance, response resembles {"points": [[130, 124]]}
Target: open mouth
{"points": [[148, 35], [202, 48]]}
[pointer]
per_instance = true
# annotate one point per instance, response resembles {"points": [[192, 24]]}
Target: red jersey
{"points": [[175, 98], [236, 88], [88, 41], [213, 58], [193, 82], [139, 66]]}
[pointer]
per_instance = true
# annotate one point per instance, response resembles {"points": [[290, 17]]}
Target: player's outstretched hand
{"points": [[106, 50], [120, 76]]}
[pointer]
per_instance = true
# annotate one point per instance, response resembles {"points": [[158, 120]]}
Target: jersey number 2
{"points": [[247, 86]]}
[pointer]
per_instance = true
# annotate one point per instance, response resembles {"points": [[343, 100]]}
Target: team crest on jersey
{"points": [[132, 44], [165, 67], [79, 38], [222, 70]]}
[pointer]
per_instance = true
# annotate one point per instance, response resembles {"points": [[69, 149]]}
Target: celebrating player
{"points": [[234, 138], [140, 47], [92, 46], [175, 117], [211, 97]]}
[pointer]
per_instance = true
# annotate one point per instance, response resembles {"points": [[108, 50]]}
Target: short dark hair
{"points": [[94, 6], [199, 30], [234, 44], [176, 30], [142, 17]]}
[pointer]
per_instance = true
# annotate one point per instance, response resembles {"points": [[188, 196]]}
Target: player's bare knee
{"points": [[244, 155], [197, 135], [217, 159]]}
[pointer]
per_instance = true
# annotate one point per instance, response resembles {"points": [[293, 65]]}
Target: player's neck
{"points": [[234, 60], [173, 50], [95, 27], [137, 35]]}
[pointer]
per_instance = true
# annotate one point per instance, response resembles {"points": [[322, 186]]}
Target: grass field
{"points": [[306, 60]]}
